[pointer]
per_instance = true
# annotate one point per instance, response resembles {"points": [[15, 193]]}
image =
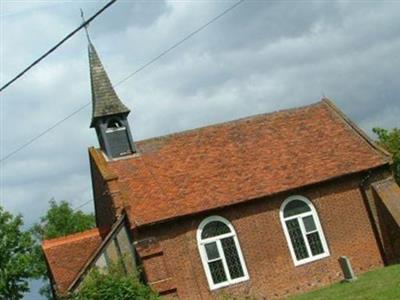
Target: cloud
{"points": [[260, 57]]}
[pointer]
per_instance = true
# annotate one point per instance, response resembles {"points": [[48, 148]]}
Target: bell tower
{"points": [[109, 114]]}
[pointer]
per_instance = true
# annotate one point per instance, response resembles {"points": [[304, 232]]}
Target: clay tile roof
{"points": [[105, 100], [66, 256], [224, 164]]}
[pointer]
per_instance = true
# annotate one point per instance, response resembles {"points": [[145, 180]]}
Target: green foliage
{"points": [[113, 285], [390, 140], [17, 265], [60, 220]]}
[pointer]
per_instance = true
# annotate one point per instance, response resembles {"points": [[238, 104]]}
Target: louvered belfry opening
{"points": [[109, 114], [118, 138]]}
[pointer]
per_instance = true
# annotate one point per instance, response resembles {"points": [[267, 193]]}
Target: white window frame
{"points": [[299, 218], [217, 239]]}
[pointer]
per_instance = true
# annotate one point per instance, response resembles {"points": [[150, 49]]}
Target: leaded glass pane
{"points": [[309, 224], [232, 258], [214, 228], [217, 271], [212, 251], [315, 243], [295, 207], [297, 239]]}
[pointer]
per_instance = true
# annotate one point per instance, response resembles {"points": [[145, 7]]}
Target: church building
{"points": [[265, 206]]}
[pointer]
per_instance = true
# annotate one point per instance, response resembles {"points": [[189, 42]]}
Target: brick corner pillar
{"points": [[157, 276]]}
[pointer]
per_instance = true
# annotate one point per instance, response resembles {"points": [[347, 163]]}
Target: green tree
{"points": [[390, 140], [60, 220], [17, 264], [115, 284]]}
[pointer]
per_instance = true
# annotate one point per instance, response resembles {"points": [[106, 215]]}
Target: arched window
{"points": [[220, 253], [303, 230]]}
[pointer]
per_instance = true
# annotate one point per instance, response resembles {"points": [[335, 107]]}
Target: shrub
{"points": [[114, 284]]}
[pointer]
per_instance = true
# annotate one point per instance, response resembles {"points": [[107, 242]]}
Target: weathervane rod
{"points": [[86, 26]]}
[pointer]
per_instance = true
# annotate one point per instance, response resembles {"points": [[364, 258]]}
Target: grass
{"points": [[381, 284]]}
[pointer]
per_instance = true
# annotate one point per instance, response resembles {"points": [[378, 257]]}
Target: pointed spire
{"points": [[105, 101]]}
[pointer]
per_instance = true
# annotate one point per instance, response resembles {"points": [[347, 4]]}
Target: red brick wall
{"points": [[103, 203], [153, 261], [344, 220], [390, 233]]}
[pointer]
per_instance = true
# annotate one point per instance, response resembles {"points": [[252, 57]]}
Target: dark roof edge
{"points": [[97, 252], [255, 198], [49, 273], [357, 129]]}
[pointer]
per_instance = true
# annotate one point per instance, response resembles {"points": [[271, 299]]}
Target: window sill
{"points": [[229, 283], [311, 259]]}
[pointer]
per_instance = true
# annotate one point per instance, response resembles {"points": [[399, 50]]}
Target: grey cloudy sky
{"points": [[263, 56]]}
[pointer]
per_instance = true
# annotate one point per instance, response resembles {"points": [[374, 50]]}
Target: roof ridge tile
{"points": [[46, 244], [230, 122]]}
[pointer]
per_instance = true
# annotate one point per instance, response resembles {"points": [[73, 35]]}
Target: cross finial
{"points": [[86, 26]]}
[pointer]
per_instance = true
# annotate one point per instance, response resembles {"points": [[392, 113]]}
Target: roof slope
{"points": [[66, 256], [232, 162], [105, 100]]}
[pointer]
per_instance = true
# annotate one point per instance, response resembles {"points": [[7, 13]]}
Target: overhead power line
{"points": [[43, 133], [82, 205], [67, 37], [181, 41], [175, 45]]}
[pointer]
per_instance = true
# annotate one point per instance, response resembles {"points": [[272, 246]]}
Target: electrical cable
{"points": [[236, 4], [82, 205], [67, 37]]}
